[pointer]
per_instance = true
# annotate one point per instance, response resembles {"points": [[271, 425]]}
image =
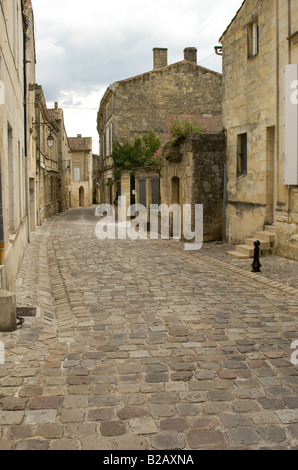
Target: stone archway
{"points": [[81, 197]]}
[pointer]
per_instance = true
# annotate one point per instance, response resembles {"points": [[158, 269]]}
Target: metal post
{"points": [[256, 265]]}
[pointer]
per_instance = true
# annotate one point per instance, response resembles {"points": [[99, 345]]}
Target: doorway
{"points": [[81, 197], [270, 176]]}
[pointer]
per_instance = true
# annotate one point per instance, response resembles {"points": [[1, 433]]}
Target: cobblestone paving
{"points": [[142, 345]]}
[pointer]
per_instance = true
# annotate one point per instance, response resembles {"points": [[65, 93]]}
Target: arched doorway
{"points": [[81, 197]]}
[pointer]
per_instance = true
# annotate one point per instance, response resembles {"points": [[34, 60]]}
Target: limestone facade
{"points": [[192, 173], [16, 21], [47, 160], [64, 160], [81, 186], [258, 45], [133, 107], [35, 180]]}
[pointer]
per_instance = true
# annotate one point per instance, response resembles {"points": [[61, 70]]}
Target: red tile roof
{"points": [[80, 144]]}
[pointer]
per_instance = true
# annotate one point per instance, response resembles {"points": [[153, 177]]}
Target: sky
{"points": [[83, 46]]}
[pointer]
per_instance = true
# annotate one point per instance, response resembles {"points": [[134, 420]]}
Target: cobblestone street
{"points": [[140, 345]]}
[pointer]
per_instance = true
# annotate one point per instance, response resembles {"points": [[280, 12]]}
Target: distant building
{"points": [[64, 160], [260, 115], [133, 107], [81, 158], [47, 159]]}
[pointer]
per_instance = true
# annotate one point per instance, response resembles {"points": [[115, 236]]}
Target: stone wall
{"points": [[144, 103], [193, 173], [133, 107], [253, 104]]}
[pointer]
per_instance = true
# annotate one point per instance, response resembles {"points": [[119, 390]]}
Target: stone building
{"points": [[64, 160], [260, 76], [192, 173], [96, 172], [47, 159], [133, 107], [81, 187], [17, 70]]}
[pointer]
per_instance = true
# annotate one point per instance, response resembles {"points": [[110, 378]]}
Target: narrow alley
{"points": [[140, 345]]}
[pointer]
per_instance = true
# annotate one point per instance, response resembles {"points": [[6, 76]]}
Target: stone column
{"points": [[125, 189], [8, 316]]}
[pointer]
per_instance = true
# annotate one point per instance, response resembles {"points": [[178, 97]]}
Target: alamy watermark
{"points": [[165, 222], [2, 353], [294, 356]]}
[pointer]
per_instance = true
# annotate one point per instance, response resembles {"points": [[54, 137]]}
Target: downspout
{"points": [[277, 159], [2, 239], [25, 27], [289, 192]]}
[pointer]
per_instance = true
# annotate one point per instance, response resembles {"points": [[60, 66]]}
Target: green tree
{"points": [[128, 156]]}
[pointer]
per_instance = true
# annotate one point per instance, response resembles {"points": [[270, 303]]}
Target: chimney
{"points": [[56, 105], [160, 58], [79, 136], [190, 54]]}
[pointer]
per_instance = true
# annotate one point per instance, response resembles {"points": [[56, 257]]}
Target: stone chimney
{"points": [[56, 105], [160, 58], [190, 54]]}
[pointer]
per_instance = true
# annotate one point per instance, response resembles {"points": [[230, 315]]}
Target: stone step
{"points": [[245, 250], [266, 236], [236, 254], [264, 244], [270, 228]]}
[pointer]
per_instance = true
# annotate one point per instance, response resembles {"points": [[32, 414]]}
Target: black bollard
{"points": [[256, 265]]}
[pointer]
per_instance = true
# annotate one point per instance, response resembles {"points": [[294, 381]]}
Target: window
{"points": [[242, 154], [253, 38], [77, 174], [109, 139]]}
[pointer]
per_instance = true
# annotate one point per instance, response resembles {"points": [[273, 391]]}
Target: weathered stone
{"points": [[8, 417], [131, 412], [183, 376], [143, 425], [72, 415], [220, 395], [45, 403], [50, 431], [157, 377], [32, 444], [112, 428], [169, 441], [8, 315], [40, 416], [64, 444], [206, 439], [13, 404], [173, 424], [272, 434], [20, 431], [244, 436]]}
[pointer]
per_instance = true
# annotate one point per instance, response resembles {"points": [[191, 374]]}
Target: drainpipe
{"points": [[2, 243], [290, 61], [277, 159], [25, 27]]}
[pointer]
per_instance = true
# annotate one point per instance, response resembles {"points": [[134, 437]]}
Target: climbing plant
{"points": [[130, 155]]}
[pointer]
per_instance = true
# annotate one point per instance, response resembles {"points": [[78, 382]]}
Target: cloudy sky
{"points": [[84, 46]]}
